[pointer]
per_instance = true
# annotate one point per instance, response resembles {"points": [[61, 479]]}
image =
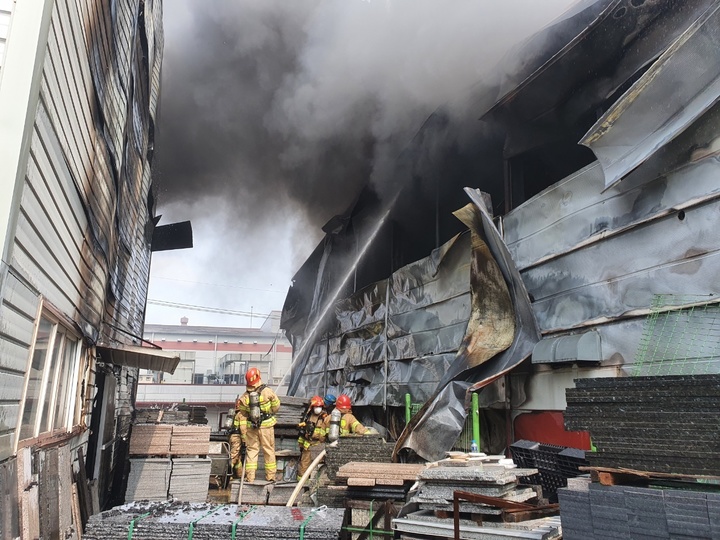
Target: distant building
{"points": [[213, 363]]}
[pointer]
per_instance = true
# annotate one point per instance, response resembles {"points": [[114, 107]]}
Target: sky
{"points": [[274, 113]]}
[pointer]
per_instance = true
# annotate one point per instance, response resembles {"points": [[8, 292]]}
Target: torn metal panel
{"points": [[436, 427], [418, 435], [685, 80]]}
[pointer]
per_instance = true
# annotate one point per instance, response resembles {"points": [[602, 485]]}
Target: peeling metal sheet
{"points": [[447, 408], [680, 86]]}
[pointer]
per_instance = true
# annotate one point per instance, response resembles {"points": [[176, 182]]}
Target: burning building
{"points": [[79, 83], [591, 203]]}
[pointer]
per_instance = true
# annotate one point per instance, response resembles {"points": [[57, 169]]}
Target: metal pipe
{"points": [[408, 406], [476, 419]]}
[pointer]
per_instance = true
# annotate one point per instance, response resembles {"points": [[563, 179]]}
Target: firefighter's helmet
{"points": [[252, 377], [316, 401], [329, 400], [343, 402]]}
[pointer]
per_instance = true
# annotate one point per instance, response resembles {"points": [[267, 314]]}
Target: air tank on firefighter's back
{"points": [[334, 433], [255, 408]]}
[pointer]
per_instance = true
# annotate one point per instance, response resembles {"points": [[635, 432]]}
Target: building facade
{"points": [[79, 87]]}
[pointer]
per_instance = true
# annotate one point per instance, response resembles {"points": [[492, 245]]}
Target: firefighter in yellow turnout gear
{"points": [[312, 432], [349, 425], [255, 419]]}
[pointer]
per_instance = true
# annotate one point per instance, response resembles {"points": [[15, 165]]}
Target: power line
{"points": [[217, 284], [212, 309]]}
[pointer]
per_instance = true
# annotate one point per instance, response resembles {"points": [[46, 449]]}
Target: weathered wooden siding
{"points": [[597, 258]]}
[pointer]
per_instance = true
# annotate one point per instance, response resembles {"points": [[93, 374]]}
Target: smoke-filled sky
{"points": [[274, 113]]}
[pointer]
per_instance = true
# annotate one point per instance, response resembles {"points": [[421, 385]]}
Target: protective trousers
{"points": [[254, 439], [235, 445], [305, 459]]}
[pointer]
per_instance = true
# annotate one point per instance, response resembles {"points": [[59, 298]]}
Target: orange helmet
{"points": [[252, 377], [343, 402], [317, 401]]}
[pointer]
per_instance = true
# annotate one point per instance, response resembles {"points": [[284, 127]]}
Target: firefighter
{"points": [[236, 442], [348, 423], [312, 431], [329, 402], [255, 420]]}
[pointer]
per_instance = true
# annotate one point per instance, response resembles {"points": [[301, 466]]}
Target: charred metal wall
{"points": [[396, 336]]}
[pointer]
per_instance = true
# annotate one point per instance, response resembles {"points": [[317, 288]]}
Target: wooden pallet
{"points": [[607, 476]]}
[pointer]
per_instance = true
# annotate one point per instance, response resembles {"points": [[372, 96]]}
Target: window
{"points": [[51, 384]]}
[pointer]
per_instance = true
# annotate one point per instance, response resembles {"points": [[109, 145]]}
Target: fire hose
{"points": [[304, 478]]}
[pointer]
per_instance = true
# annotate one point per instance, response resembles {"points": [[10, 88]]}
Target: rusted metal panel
{"points": [[9, 503]]}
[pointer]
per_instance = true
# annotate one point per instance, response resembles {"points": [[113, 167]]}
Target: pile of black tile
{"points": [[554, 464], [354, 448], [662, 424], [593, 511], [197, 414], [166, 521]]}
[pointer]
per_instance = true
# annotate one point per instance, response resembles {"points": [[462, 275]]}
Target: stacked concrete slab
{"points": [[189, 479], [595, 511], [150, 439], [190, 439], [165, 521], [424, 525], [438, 484], [151, 416], [353, 448], [369, 480], [148, 479]]}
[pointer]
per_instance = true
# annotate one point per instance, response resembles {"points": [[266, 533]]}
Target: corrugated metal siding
{"points": [[591, 258], [81, 228], [81, 224], [6, 10]]}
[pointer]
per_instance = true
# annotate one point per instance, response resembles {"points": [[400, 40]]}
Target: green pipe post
{"points": [[407, 408], [476, 419]]}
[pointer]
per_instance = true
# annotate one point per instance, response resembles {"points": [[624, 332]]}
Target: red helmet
{"points": [[252, 377], [317, 401], [343, 402]]}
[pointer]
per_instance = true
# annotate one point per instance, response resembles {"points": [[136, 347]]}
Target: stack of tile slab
{"points": [[424, 524], [150, 439], [438, 484], [370, 480], [253, 492], [554, 464], [594, 511], [369, 448], [663, 424], [166, 521], [148, 479], [190, 439], [189, 479]]}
